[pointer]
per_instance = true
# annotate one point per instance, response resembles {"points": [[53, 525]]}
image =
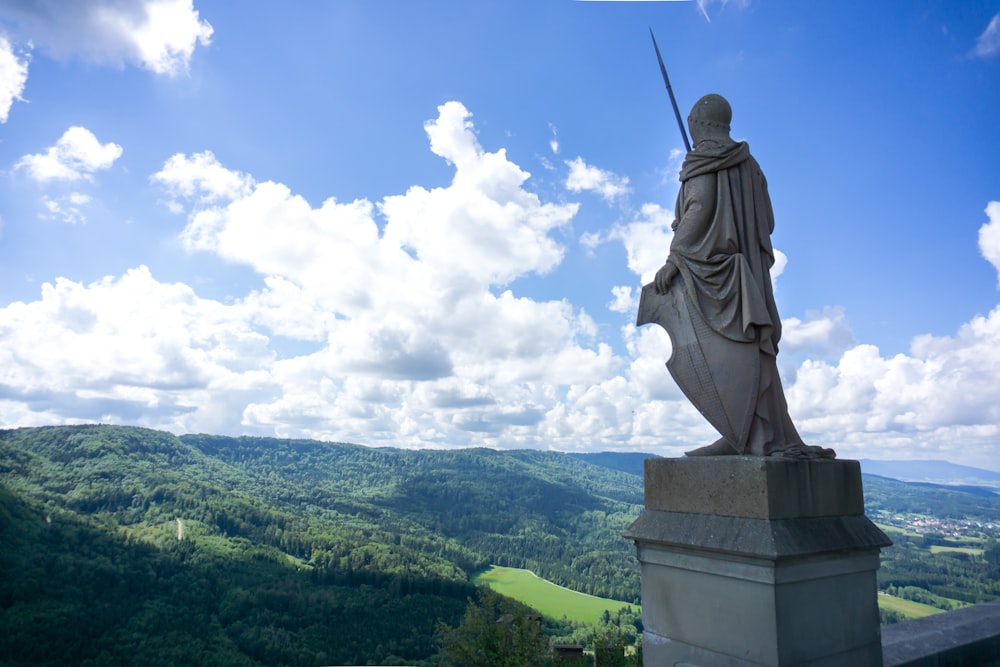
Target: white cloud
{"points": [[989, 237], [584, 177], [940, 394], [13, 76], [76, 155], [988, 44], [201, 177], [158, 35], [67, 209], [415, 347], [484, 228], [780, 262], [624, 301], [825, 334], [413, 332], [646, 240], [129, 350]]}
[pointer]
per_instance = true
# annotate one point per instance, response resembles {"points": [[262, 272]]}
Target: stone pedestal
{"points": [[757, 561]]}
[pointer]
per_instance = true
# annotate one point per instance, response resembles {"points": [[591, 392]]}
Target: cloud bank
{"points": [[406, 329]]}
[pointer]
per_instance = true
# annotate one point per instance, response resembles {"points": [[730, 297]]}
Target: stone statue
{"points": [[713, 295]]}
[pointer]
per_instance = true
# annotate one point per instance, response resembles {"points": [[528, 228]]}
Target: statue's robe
{"points": [[720, 311]]}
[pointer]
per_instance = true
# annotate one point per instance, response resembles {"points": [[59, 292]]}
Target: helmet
{"points": [[711, 111]]}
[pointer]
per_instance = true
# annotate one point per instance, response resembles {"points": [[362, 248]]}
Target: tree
{"points": [[495, 632], [609, 647]]}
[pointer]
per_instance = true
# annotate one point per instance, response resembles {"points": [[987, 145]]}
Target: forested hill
{"points": [[140, 546], [124, 545]]}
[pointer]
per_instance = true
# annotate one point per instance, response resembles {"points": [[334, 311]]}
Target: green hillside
{"points": [[123, 545], [206, 550]]}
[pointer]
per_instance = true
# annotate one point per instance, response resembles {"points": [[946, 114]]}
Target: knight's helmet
{"points": [[710, 115]]}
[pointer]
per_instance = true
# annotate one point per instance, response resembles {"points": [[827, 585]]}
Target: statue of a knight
{"points": [[713, 295]]}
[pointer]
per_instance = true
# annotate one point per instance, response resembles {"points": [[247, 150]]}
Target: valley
{"points": [[125, 544]]}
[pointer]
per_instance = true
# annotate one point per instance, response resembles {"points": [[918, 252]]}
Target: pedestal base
{"points": [[756, 561]]}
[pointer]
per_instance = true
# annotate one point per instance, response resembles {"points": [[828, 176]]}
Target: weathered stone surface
{"points": [[757, 561], [755, 487], [968, 637], [757, 538]]}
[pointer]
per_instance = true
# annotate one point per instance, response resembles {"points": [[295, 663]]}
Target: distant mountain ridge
{"points": [[931, 471], [630, 462]]}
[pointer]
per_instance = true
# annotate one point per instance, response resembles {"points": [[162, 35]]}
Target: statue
{"points": [[713, 295]]}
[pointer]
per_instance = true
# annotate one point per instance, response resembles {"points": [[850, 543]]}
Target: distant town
{"points": [[959, 529]]}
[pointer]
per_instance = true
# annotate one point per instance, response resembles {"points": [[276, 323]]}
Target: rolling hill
{"points": [[126, 545]]}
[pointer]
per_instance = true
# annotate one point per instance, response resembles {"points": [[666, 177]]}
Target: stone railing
{"points": [[969, 637]]}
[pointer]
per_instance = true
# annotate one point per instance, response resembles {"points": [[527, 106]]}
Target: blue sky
{"points": [[424, 224]]}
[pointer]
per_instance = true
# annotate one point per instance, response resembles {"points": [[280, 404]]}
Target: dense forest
{"points": [[122, 541], [123, 545]]}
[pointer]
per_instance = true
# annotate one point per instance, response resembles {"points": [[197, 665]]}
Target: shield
{"points": [[718, 375]]}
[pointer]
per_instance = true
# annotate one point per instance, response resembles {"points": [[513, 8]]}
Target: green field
{"points": [[908, 608], [555, 601], [548, 598], [972, 551]]}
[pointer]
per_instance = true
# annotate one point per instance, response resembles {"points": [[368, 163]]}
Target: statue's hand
{"points": [[664, 277]]}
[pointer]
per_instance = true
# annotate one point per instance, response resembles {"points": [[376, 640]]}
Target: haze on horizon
{"points": [[426, 225]]}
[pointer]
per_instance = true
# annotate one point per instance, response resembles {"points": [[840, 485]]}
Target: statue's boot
{"points": [[720, 447]]}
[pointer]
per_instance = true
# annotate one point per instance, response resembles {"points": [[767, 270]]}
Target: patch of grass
{"points": [[548, 598], [908, 608], [893, 529], [972, 551]]}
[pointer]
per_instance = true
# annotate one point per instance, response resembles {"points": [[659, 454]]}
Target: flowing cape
{"points": [[726, 261], [719, 311]]}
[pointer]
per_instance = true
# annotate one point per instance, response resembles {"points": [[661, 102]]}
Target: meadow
{"points": [[557, 602], [550, 599], [907, 608]]}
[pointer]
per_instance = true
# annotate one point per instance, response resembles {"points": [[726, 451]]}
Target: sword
{"points": [[670, 91]]}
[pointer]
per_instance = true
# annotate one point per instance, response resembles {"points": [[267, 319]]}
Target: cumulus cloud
{"points": [[201, 177], [583, 177], [413, 332], [989, 237], [825, 334], [940, 396], [415, 339], [75, 156], [158, 35], [988, 44], [646, 240], [419, 349], [13, 76], [485, 228], [130, 350]]}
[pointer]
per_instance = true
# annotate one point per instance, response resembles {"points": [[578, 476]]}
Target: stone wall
{"points": [[968, 637]]}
